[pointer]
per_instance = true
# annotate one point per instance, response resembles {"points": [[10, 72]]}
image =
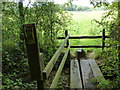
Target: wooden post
{"points": [[33, 54], [103, 39], [42, 61], [79, 53], [66, 33], [67, 44], [68, 57], [40, 84]]}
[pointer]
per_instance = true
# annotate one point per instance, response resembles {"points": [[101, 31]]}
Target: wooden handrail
{"points": [[51, 63], [57, 76], [103, 37], [90, 46], [83, 37]]}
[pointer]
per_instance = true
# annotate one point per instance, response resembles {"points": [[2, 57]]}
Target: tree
{"points": [[82, 8], [119, 35], [49, 19], [22, 20]]}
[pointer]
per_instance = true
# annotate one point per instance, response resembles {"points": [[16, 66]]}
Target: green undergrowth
{"points": [[96, 54]]}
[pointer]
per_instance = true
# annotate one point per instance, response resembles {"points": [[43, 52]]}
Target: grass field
{"points": [[83, 25]]}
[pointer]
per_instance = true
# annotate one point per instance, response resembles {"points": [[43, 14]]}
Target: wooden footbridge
{"points": [[81, 71]]}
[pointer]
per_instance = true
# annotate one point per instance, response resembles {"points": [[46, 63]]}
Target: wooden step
{"points": [[96, 70], [90, 71], [75, 77], [83, 72], [87, 73]]}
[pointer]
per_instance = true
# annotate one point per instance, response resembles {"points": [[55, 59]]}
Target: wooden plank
{"points": [[96, 71], [61, 38], [58, 74], [51, 63], [84, 37], [75, 78], [86, 73], [90, 46]]}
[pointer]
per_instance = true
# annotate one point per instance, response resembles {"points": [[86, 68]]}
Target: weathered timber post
{"points": [[33, 53], [67, 44], [79, 53], [68, 57], [66, 34], [103, 39]]}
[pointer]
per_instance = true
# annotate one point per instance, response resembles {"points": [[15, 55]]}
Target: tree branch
{"points": [[27, 6]]}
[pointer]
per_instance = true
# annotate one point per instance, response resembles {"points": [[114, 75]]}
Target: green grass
{"points": [[83, 25]]}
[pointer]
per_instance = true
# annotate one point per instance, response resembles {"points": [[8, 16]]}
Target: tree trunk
{"points": [[119, 36], [21, 16]]}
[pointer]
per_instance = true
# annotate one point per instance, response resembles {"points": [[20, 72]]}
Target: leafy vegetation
{"points": [[49, 19], [110, 56]]}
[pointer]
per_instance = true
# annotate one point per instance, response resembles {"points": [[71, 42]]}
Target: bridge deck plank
{"points": [[87, 73], [90, 71], [75, 80], [96, 70]]}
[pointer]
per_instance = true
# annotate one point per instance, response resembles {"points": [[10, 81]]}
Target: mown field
{"points": [[83, 24]]}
